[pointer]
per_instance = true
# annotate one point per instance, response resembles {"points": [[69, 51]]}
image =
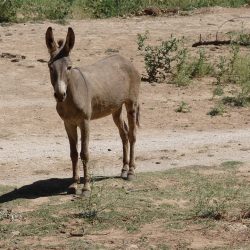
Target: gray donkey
{"points": [[91, 93]]}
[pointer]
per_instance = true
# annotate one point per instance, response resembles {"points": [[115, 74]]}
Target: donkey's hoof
{"points": [[78, 191], [124, 174], [131, 177], [86, 193]]}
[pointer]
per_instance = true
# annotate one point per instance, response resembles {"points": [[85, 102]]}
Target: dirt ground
{"points": [[33, 142]]}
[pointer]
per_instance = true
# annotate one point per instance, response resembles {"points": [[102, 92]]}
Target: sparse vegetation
{"points": [[183, 108], [176, 199], [159, 59], [171, 60], [201, 67], [218, 91], [213, 199], [234, 71], [183, 72], [141, 38], [19, 10], [219, 109]]}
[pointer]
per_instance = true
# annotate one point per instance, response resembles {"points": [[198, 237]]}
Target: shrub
{"points": [[183, 108], [158, 59], [46, 9], [219, 109], [182, 75], [141, 38], [8, 10], [201, 67]]}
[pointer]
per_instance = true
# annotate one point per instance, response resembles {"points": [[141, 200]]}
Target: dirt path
{"points": [[157, 151], [33, 144]]}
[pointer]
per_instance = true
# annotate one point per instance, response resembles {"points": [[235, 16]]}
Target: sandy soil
{"points": [[33, 143]]}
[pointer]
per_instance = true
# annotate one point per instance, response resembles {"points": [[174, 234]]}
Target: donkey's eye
{"points": [[69, 67]]}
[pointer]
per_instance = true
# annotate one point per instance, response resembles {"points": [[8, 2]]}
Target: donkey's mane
{"points": [[58, 56]]}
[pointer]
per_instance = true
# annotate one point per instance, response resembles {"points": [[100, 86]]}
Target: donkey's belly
{"points": [[103, 111]]}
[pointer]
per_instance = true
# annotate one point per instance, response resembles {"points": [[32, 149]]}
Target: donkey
{"points": [[94, 92]]}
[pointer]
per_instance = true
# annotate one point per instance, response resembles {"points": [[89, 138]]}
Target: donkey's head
{"points": [[59, 63]]}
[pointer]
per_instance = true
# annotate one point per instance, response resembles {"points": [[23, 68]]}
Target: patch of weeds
{"points": [[236, 101], [61, 21], [244, 38], [141, 38], [10, 215], [219, 109], [163, 246], [214, 198], [218, 91], [231, 164], [185, 71], [183, 108], [111, 51], [240, 37], [182, 76], [96, 206], [245, 212], [234, 70], [201, 67], [8, 10], [44, 221], [222, 69], [232, 64]]}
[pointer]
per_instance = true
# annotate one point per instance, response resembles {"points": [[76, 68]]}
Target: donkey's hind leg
{"points": [[123, 130], [132, 108], [72, 135]]}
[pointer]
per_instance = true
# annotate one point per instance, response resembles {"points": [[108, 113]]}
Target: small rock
{"points": [[109, 149], [76, 234], [42, 60], [15, 60]]}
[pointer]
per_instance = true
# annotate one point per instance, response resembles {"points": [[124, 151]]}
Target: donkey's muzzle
{"points": [[60, 97]]}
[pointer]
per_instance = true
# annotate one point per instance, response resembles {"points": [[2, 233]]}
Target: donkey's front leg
{"points": [[85, 156], [72, 135]]}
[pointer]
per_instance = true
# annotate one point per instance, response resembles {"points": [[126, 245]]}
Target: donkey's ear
{"points": [[70, 40], [50, 42]]}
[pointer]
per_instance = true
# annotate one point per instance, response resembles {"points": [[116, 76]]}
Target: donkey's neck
{"points": [[78, 93]]}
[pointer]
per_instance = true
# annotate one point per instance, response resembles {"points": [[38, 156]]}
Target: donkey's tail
{"points": [[138, 116]]}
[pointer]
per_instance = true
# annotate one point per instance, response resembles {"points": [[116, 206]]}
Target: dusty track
{"points": [[33, 143]]}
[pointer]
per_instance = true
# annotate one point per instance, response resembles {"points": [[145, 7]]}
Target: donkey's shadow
{"points": [[43, 188]]}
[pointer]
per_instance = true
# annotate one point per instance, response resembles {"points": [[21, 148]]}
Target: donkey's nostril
{"points": [[64, 94], [55, 95]]}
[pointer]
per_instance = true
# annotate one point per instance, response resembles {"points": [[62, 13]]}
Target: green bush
{"points": [[8, 10], [235, 70], [56, 9], [201, 67], [182, 74], [45, 9]]}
